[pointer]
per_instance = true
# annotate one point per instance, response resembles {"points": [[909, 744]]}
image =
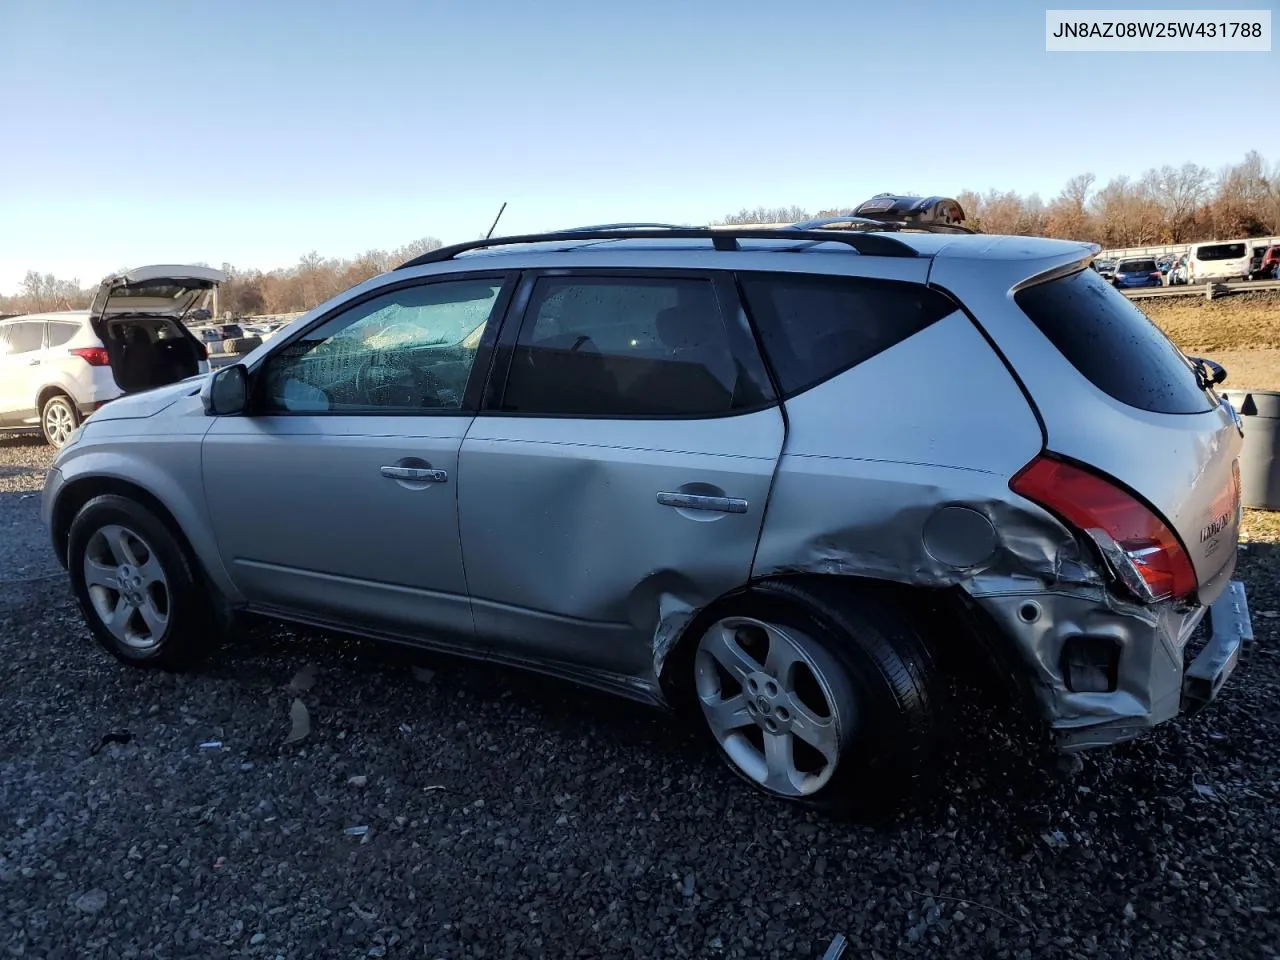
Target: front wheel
{"points": [[58, 419], [823, 696], [136, 587]]}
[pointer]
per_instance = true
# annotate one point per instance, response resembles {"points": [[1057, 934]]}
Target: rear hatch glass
{"points": [[1182, 458], [1137, 266], [1111, 342]]}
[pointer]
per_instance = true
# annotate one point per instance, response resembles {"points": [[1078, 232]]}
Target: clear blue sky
{"points": [[252, 132]]}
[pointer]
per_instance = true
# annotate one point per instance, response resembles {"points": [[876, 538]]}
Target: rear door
{"points": [[619, 470]]}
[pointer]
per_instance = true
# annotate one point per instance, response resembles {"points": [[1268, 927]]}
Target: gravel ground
{"points": [[503, 815]]}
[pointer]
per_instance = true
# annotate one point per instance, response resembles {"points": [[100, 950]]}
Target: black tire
{"points": [[887, 672], [57, 404], [189, 631]]}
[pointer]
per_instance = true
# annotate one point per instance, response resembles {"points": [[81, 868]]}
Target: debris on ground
{"points": [[299, 722], [304, 679], [122, 736]]}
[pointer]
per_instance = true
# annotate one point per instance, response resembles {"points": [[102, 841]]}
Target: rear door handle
{"points": [[420, 474], [693, 501]]}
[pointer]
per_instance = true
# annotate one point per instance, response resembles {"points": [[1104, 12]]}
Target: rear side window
{"points": [[60, 333], [1221, 251], [596, 346], [815, 327], [1110, 341]]}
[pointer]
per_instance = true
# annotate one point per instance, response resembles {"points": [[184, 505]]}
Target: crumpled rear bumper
{"points": [[1160, 670]]}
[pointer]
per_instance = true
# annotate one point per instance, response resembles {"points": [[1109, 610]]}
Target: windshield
{"points": [[1137, 266]]}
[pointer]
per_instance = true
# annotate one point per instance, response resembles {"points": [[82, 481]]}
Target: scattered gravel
{"points": [[480, 812]]}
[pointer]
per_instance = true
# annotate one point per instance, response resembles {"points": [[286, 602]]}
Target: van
{"points": [[1217, 260]]}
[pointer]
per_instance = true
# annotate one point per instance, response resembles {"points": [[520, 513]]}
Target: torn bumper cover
{"points": [[1108, 671]]}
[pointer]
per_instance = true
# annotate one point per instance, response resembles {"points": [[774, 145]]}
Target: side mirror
{"points": [[226, 393]]}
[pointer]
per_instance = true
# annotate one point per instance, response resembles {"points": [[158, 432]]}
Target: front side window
{"points": [[631, 347], [407, 351]]}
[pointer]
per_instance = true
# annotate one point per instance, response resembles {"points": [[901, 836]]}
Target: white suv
{"points": [[56, 368]]}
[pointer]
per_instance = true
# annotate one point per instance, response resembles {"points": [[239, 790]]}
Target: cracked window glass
{"points": [[406, 351]]}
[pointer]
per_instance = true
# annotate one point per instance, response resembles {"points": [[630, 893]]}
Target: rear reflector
{"points": [[94, 356], [1143, 552]]}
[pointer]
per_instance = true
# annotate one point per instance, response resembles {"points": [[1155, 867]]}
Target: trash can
{"points": [[1259, 463]]}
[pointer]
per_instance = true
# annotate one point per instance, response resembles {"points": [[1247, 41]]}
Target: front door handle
{"points": [[693, 501], [33, 363], [419, 474]]}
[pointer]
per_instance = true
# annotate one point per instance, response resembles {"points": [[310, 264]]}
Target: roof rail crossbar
{"points": [[721, 238]]}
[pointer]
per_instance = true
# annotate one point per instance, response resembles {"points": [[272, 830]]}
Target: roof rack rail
{"points": [[626, 226], [721, 238]]}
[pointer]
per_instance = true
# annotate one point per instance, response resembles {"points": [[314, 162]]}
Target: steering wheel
{"points": [[382, 384]]}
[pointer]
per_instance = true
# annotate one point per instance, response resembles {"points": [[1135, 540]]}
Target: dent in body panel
{"points": [[586, 565], [899, 470]]}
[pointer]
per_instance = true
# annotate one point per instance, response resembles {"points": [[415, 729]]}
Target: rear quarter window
{"points": [[815, 327], [1112, 343]]}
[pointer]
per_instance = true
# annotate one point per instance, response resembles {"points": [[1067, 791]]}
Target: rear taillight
{"points": [[1142, 551], [1156, 276], [94, 356]]}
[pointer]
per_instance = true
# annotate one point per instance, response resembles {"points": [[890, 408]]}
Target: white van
{"points": [[1219, 260]]}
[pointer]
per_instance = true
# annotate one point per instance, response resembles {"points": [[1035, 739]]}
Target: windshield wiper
{"points": [[1208, 374]]}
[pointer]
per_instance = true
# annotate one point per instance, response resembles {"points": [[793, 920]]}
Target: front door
{"points": [[622, 474], [336, 497]]}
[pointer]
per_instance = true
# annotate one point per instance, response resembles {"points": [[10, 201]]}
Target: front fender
{"points": [[163, 470]]}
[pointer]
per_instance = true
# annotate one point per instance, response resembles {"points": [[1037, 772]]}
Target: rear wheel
{"points": [[821, 696], [136, 586], [58, 419]]}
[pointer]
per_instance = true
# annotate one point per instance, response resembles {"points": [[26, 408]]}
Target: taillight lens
{"points": [[1142, 551], [94, 356]]}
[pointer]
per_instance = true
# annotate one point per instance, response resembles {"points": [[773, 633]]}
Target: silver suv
{"points": [[778, 476]]}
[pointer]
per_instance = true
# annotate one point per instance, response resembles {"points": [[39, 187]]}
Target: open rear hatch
{"points": [[139, 317], [1162, 448]]}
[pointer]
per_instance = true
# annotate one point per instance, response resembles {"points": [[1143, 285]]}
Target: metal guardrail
{"points": [[1198, 289]]}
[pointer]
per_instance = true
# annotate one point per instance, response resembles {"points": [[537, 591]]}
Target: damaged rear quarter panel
{"points": [[899, 470]]}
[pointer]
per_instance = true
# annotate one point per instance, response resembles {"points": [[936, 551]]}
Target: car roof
{"points": [[66, 316]]}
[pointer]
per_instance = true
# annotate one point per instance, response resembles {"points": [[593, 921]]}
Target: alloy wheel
{"points": [[127, 586], [770, 697]]}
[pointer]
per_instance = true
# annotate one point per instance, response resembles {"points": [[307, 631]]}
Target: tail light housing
{"points": [[94, 356], [1143, 553]]}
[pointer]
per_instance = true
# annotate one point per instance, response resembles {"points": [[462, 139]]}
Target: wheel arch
{"points": [[50, 390], [959, 635], [79, 490]]}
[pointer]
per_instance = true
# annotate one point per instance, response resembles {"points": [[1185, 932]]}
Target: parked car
{"points": [[1178, 273], [1106, 269], [556, 451], [1268, 264], [1221, 262], [55, 367], [1137, 273]]}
